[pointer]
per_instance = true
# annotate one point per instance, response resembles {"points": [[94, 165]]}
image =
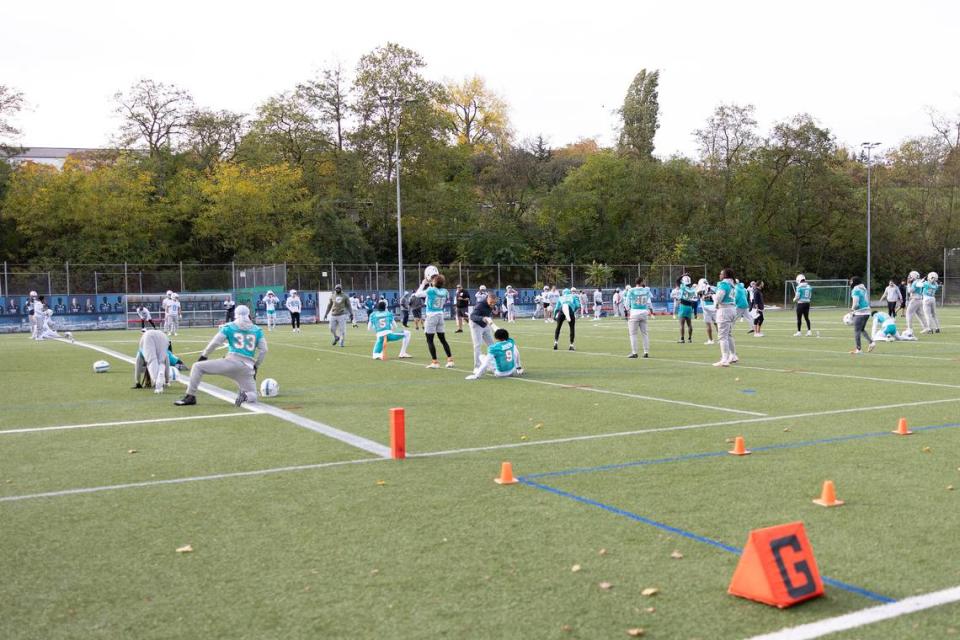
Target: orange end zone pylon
{"points": [[739, 448], [506, 474], [902, 428], [828, 497], [398, 435], [777, 567]]}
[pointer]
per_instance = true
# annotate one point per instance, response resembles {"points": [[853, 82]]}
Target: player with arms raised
{"points": [[432, 291]]}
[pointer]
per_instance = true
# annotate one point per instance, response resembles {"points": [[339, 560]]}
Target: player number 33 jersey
{"points": [[242, 341]]}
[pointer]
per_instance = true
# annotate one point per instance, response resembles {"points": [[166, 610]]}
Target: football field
{"points": [[123, 516]]}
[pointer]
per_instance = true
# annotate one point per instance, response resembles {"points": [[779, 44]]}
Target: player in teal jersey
{"points": [[741, 301], [686, 306], [802, 300], [566, 309], [638, 302], [706, 291], [382, 322], [860, 307], [885, 328], [502, 358], [246, 349], [435, 296], [726, 303], [915, 302], [929, 292]]}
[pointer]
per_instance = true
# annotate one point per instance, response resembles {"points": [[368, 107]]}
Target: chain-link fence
{"points": [[93, 279], [950, 278]]}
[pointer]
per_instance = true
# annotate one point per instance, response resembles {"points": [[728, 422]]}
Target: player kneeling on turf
{"points": [[247, 348], [382, 322], [885, 329], [153, 363], [503, 358]]}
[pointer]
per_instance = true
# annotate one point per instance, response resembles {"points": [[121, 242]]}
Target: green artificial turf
{"points": [[430, 547]]}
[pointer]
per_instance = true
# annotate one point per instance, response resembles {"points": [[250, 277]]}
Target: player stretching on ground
{"points": [[340, 305], [382, 321], [436, 299], [502, 358], [153, 364], [638, 311], [247, 347]]}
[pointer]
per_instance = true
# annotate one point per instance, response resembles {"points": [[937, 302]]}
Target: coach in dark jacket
{"points": [[481, 326]]}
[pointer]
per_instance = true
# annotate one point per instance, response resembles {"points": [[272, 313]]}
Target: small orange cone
{"points": [[506, 474], [902, 428], [828, 497], [739, 448]]}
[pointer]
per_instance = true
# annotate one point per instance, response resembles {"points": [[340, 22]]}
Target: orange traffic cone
{"points": [[506, 474], [739, 448], [828, 497], [902, 428]]}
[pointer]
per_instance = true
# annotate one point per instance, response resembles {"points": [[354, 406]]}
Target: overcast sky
{"points": [[865, 70]]}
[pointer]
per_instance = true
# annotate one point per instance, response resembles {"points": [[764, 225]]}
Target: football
{"points": [[101, 366], [269, 388]]}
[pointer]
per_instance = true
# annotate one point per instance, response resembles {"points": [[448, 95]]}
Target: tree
{"points": [[156, 115], [213, 136], [640, 114], [329, 96], [728, 137], [598, 274], [478, 116], [284, 131], [11, 101]]}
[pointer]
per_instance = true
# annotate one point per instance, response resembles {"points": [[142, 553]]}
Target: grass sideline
{"points": [[431, 546]]}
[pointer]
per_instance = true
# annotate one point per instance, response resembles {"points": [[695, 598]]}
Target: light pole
{"points": [[869, 147], [398, 101]]}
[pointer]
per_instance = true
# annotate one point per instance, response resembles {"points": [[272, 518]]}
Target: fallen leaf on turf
{"points": [[949, 487], [650, 591], [785, 429], [539, 425], [602, 552], [650, 609], [132, 451], [306, 588], [523, 438], [927, 450], [676, 555], [736, 379], [575, 568], [375, 572], [566, 628], [381, 483], [636, 632], [606, 586], [729, 440], [185, 549]]}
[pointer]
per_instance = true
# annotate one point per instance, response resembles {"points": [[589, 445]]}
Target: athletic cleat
{"points": [[471, 377], [450, 364], [571, 348], [758, 335], [708, 342], [554, 346], [855, 352], [186, 400], [871, 346], [433, 365], [722, 363], [633, 355], [733, 360], [797, 334], [241, 398], [404, 355], [335, 341], [519, 371], [646, 355], [809, 333], [680, 341], [158, 389], [342, 343], [937, 331], [137, 386], [460, 331]]}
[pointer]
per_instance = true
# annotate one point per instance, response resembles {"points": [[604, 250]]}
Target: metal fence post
{"points": [[66, 267], [498, 276], [181, 276], [96, 290], [376, 271], [536, 277], [49, 285], [126, 289], [6, 284]]}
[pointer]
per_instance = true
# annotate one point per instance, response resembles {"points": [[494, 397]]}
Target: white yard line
{"points": [[332, 432], [623, 394], [216, 476], [93, 425], [684, 427], [865, 616]]}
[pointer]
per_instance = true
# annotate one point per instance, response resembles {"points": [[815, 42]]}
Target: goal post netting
{"points": [[826, 293], [196, 309]]}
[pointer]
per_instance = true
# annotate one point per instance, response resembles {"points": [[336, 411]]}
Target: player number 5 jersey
{"points": [[381, 321], [242, 341]]}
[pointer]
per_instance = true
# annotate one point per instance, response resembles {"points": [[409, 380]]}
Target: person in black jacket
{"points": [[461, 304], [756, 305], [481, 326]]}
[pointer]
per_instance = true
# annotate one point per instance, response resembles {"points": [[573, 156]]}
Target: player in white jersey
{"points": [[270, 302], [294, 306], [551, 310], [511, 296], [171, 322], [145, 316], [598, 303], [36, 320]]}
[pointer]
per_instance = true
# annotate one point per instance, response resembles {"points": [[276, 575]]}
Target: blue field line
{"points": [[717, 454], [687, 534]]}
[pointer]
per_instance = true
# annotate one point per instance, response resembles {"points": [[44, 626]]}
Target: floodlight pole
{"points": [[869, 147], [398, 101]]}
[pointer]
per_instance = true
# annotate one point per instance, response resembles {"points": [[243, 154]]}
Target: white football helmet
{"points": [[293, 292], [269, 293], [175, 295], [685, 280], [169, 293], [430, 271], [914, 275], [801, 278], [33, 294], [932, 276]]}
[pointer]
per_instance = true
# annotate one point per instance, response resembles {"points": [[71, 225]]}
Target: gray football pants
{"points": [[634, 325], [233, 368], [726, 316], [930, 313], [338, 326], [480, 336], [152, 359], [915, 311]]}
